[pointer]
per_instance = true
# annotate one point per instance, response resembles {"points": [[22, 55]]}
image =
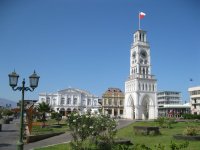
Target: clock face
{"points": [[143, 54]]}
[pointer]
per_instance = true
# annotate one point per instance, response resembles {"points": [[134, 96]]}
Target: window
{"points": [[75, 101], [48, 100], [110, 101], [54, 101], [89, 102], [95, 103], [109, 111], [121, 102], [68, 100], [105, 102], [115, 102], [121, 112], [62, 102]]}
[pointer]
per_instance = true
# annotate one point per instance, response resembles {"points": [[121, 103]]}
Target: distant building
{"points": [[71, 99], [27, 102], [195, 99], [113, 102], [168, 97], [170, 104]]}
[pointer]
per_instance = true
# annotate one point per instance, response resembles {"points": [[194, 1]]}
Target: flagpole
{"points": [[139, 20]]}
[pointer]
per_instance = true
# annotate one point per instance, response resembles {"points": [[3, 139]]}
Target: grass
{"points": [[64, 146], [165, 138], [36, 130]]}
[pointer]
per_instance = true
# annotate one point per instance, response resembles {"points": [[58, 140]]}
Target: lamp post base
{"points": [[20, 145]]}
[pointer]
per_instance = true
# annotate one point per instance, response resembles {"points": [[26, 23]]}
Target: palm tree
{"points": [[44, 108]]}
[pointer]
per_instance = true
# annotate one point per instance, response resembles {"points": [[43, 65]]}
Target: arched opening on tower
{"points": [[145, 108], [131, 106]]}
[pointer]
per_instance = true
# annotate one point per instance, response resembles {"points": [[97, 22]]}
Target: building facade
{"points": [[71, 99], [195, 99], [170, 104], [141, 86], [168, 98], [113, 102]]}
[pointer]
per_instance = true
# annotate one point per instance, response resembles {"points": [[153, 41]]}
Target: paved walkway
{"points": [[10, 134]]}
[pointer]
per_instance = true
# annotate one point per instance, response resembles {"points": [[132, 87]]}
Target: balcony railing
{"points": [[145, 76]]}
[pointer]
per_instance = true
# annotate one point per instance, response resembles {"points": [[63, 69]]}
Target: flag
{"points": [[141, 15]]}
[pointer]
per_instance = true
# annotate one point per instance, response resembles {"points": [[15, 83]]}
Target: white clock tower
{"points": [[141, 86]]}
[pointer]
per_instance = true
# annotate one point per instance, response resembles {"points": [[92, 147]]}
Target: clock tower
{"points": [[141, 85]]}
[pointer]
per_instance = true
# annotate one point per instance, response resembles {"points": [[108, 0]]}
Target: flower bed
{"points": [[34, 138]]}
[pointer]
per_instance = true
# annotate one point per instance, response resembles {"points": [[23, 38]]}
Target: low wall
{"points": [[34, 138], [187, 137]]}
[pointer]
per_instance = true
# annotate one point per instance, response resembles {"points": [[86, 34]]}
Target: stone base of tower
{"points": [[129, 113], [138, 114], [141, 106]]}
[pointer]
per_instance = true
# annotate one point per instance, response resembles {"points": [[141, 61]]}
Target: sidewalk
{"points": [[66, 137], [9, 135]]}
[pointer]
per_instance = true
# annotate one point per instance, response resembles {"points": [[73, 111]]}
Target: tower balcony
{"points": [[141, 76]]}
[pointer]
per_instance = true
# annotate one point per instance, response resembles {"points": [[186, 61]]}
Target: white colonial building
{"points": [[71, 99], [141, 86]]}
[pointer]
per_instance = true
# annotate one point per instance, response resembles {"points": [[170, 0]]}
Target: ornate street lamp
{"points": [[13, 79]]}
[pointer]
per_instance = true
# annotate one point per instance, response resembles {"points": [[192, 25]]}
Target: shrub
{"points": [[165, 122], [191, 116], [191, 131], [97, 129]]}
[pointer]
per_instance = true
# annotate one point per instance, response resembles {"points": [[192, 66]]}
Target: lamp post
{"points": [[13, 79]]}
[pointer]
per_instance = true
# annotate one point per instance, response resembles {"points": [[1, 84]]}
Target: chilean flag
{"points": [[141, 15]]}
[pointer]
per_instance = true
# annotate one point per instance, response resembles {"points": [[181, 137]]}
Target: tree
{"points": [[57, 116], [44, 108]]}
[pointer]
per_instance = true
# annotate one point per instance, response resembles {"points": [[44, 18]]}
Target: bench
{"points": [[146, 130]]}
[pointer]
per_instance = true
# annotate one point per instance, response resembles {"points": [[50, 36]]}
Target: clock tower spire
{"points": [[141, 86]]}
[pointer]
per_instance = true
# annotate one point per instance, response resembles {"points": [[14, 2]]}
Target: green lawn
{"points": [[165, 138], [64, 146], [36, 130]]}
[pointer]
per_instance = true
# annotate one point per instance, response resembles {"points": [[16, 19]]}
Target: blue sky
{"points": [[86, 44]]}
